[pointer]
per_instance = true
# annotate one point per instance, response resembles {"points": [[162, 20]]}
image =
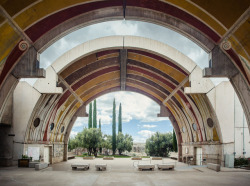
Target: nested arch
{"points": [[41, 23], [153, 69]]}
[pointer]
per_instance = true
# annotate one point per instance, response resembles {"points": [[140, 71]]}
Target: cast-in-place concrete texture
{"points": [[122, 172]]}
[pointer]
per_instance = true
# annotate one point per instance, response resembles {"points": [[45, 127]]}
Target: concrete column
{"points": [[65, 152]]}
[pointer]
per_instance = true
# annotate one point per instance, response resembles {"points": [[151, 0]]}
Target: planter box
{"points": [[136, 158], [156, 158], [23, 162], [108, 158], [88, 157]]}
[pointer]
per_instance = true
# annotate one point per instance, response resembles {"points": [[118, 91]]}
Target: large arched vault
{"points": [[126, 63], [29, 27]]}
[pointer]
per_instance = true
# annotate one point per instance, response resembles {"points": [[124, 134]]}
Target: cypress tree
{"points": [[100, 127], [114, 129], [120, 119], [94, 116], [90, 115], [175, 147]]}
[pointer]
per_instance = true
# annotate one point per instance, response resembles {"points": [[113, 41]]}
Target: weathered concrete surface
{"points": [[198, 83], [41, 166], [6, 100], [121, 172], [213, 166], [123, 67], [243, 92], [48, 85], [28, 66], [222, 66]]}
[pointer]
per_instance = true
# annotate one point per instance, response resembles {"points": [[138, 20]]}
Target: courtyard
{"points": [[122, 171]]}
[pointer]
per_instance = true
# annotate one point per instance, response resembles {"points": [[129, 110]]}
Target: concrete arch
{"points": [[195, 20], [140, 49]]}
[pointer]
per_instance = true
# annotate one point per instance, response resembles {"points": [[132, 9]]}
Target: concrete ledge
{"points": [[40, 166], [146, 167], [89, 158], [101, 167], [156, 158], [215, 167], [108, 158], [32, 164], [136, 158], [84, 166], [165, 167]]}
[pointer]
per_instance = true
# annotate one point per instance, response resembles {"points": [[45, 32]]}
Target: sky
{"points": [[139, 112], [139, 116]]}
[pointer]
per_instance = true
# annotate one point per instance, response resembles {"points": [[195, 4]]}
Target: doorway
{"points": [[47, 154], [198, 156]]}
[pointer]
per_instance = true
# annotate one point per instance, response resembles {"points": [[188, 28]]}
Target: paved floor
{"points": [[122, 172]]}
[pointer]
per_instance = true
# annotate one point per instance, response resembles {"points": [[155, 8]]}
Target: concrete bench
{"points": [[40, 166], [108, 158], [83, 166], [101, 167], [89, 157], [136, 158], [213, 166], [32, 164], [146, 167], [165, 167], [156, 158]]}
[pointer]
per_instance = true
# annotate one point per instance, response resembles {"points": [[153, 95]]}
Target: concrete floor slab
{"points": [[121, 172]]}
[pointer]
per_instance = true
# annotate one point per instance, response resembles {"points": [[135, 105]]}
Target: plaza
{"points": [[123, 171]]}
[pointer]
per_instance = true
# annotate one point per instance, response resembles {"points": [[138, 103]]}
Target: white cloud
{"points": [[81, 121], [149, 126], [124, 28], [134, 106], [73, 134], [146, 133], [139, 139]]}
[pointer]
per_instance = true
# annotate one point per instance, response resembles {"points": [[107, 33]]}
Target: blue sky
{"points": [[139, 112], [139, 115]]}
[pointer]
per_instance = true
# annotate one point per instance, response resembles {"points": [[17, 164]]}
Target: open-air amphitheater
{"points": [[211, 122]]}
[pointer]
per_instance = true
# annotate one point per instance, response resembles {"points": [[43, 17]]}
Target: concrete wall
{"points": [[56, 151], [25, 99], [212, 153], [235, 132]]}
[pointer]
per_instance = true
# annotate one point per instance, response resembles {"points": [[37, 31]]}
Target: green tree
{"points": [[159, 144], [90, 115], [124, 143], [72, 144], [120, 119], [92, 140], [100, 125], [175, 147], [94, 116], [114, 129], [107, 142]]}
